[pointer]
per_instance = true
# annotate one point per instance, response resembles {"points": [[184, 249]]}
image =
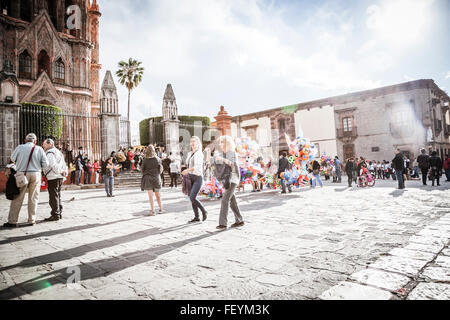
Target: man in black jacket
{"points": [[283, 164], [398, 164], [436, 168], [349, 168], [424, 164]]}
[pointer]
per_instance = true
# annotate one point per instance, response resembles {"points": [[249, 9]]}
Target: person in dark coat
{"points": [[398, 164], [349, 169], [424, 164], [283, 165], [436, 168], [151, 178]]}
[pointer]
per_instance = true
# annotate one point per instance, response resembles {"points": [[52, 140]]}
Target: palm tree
{"points": [[130, 74]]}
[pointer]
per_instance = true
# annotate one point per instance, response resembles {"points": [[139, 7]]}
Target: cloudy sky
{"points": [[251, 55]]}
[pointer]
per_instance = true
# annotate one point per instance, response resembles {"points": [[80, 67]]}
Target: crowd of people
{"points": [[29, 163]]}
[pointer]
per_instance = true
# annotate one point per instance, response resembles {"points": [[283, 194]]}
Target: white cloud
{"points": [[447, 76], [241, 54]]}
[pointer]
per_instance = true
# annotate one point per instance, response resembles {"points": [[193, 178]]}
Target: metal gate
{"points": [[72, 130]]}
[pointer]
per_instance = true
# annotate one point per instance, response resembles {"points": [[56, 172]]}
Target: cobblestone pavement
{"points": [[329, 243]]}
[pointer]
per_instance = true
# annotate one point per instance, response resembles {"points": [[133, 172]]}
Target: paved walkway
{"points": [[330, 243]]}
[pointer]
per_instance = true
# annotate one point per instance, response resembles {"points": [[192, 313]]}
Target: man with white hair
{"points": [[56, 173], [30, 160]]}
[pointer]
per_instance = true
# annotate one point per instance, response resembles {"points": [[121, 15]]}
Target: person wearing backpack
{"points": [[424, 164], [283, 165], [229, 176], [30, 160], [56, 174]]}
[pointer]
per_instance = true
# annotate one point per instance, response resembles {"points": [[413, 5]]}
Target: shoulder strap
{"points": [[189, 160], [29, 159]]}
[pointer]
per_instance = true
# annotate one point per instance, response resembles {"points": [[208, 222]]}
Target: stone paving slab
{"points": [[296, 246], [380, 279], [430, 291], [354, 291]]}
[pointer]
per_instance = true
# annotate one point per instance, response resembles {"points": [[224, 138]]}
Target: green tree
{"points": [[130, 74]]}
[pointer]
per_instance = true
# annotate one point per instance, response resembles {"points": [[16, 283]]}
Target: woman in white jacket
{"points": [[194, 163]]}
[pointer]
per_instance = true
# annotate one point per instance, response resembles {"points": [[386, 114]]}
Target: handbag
{"points": [[21, 177], [316, 172]]}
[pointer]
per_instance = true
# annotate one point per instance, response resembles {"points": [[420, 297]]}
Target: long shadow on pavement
{"points": [[102, 268], [83, 249], [60, 231]]}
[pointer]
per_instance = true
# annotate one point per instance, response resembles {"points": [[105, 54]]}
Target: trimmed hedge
{"points": [[45, 121], [186, 122]]}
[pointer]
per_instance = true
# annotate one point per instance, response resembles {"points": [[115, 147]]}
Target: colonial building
{"points": [[55, 63], [371, 123]]}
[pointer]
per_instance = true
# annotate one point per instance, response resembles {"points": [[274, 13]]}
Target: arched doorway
{"points": [[43, 63]]}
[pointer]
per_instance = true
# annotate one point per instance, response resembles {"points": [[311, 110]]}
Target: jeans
{"points": [[72, 177], [424, 175], [229, 200], [339, 176], [78, 174], [54, 195], [447, 174], [196, 182], [316, 178], [89, 177], [109, 184], [399, 175]]}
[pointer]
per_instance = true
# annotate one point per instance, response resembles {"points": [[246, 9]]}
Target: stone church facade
{"points": [[54, 64], [49, 54], [370, 123]]}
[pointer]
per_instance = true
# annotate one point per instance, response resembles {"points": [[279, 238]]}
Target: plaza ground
{"points": [[329, 243]]}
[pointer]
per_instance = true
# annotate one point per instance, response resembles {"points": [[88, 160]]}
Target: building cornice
{"points": [[343, 99]]}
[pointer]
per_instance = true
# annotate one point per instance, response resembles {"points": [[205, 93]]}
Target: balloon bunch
{"points": [[326, 162], [213, 189], [301, 151], [247, 151]]}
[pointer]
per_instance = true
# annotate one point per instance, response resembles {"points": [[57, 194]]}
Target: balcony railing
{"points": [[341, 133]]}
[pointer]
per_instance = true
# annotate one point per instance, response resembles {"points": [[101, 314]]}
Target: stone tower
{"points": [[94, 15], [170, 121], [109, 116]]}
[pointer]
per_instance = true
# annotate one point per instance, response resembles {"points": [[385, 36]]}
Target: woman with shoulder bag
{"points": [[194, 163], [151, 177], [230, 180]]}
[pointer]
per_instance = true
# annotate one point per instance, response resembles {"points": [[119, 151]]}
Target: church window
{"points": [[24, 65], [281, 124], [43, 63], [59, 71]]}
